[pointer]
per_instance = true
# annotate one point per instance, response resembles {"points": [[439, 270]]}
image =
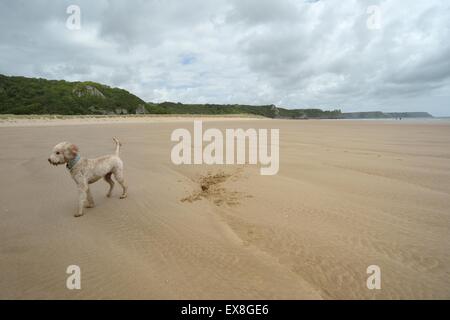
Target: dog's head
{"points": [[62, 153]]}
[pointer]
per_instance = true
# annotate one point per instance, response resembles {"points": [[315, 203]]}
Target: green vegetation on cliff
{"points": [[20, 95], [270, 111]]}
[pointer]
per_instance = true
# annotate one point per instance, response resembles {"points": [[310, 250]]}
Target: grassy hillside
{"points": [[20, 95], [269, 111], [179, 108]]}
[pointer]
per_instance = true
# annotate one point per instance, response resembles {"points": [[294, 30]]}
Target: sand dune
{"points": [[349, 194]]}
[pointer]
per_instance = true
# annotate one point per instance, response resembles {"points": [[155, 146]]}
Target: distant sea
{"points": [[435, 119]]}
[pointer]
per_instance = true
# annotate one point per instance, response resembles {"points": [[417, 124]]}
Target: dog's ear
{"points": [[70, 151], [74, 149]]}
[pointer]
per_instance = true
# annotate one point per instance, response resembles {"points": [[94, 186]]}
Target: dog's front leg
{"points": [[82, 191], [90, 199]]}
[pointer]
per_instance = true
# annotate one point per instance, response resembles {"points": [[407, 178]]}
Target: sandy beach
{"points": [[348, 194]]}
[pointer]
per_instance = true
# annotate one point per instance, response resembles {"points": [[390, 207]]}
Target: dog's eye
{"points": [[57, 152]]}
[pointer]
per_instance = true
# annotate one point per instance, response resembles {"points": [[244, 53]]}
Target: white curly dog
{"points": [[86, 171]]}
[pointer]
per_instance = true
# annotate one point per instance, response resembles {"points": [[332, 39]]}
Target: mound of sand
{"points": [[211, 187]]}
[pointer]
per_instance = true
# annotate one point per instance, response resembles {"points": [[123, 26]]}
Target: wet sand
{"points": [[348, 194]]}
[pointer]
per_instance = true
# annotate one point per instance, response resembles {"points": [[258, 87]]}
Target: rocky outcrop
{"points": [[87, 91], [121, 111], [275, 110], [141, 109]]}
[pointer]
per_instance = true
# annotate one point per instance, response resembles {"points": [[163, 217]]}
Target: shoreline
{"points": [[58, 120], [9, 120]]}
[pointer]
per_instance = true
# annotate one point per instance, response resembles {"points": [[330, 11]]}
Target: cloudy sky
{"points": [[294, 53]]}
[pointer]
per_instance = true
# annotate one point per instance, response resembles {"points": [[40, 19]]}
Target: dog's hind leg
{"points": [[118, 174], [111, 184]]}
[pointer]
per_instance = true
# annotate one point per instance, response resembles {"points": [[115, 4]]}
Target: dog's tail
{"points": [[118, 144]]}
